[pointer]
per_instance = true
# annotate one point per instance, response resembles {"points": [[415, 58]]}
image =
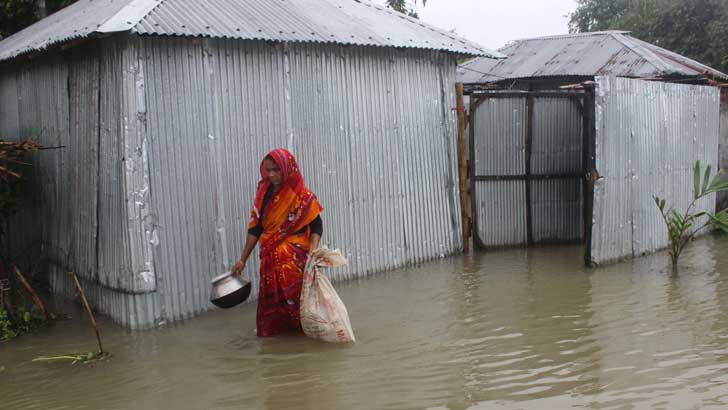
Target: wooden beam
{"points": [[532, 177], [549, 94], [471, 165], [462, 167], [32, 293]]}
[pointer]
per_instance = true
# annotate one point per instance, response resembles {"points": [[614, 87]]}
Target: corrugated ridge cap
{"points": [[129, 16]]}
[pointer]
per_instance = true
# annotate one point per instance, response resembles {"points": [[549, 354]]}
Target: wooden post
{"points": [[589, 168], [32, 293], [463, 167], [88, 310]]}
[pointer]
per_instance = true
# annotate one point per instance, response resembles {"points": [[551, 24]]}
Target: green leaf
{"points": [[676, 218], [719, 184], [706, 179], [696, 180], [720, 220]]}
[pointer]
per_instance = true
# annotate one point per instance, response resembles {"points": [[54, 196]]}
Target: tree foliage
{"points": [[16, 15], [404, 7], [697, 29]]}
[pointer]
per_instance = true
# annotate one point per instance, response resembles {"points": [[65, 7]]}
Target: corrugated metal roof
{"points": [[78, 20], [354, 22], [586, 54]]}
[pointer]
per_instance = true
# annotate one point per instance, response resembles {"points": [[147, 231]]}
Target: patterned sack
{"points": [[323, 315]]}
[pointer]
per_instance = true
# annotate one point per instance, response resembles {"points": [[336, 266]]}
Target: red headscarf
{"points": [[296, 201], [289, 170]]}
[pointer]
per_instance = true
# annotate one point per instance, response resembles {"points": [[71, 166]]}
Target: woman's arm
{"points": [[315, 239], [317, 229], [250, 243]]}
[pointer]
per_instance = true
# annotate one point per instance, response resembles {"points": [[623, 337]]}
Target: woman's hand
{"points": [[238, 267], [240, 264]]}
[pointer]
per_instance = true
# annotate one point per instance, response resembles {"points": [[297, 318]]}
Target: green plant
{"points": [[86, 357], [7, 328], [22, 321], [681, 227]]}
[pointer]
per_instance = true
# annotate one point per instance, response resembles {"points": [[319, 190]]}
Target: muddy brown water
{"points": [[512, 329]]}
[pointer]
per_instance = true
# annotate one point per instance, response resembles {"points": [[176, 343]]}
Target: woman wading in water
{"points": [[286, 220]]}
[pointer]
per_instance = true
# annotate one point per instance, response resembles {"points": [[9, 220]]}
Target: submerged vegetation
{"points": [[682, 227], [86, 357], [22, 320]]}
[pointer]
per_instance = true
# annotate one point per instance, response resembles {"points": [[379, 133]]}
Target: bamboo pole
{"points": [[32, 293], [463, 168], [88, 310]]}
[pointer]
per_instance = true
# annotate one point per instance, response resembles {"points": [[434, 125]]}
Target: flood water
{"points": [[512, 329]]}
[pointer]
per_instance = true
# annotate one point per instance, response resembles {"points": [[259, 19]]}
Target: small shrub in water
{"points": [[681, 226], [23, 321], [7, 328]]}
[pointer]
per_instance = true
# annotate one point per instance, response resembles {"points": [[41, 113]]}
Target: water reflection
{"points": [[505, 329]]}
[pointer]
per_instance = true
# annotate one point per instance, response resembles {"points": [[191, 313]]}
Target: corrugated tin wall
{"points": [[35, 101], [113, 268], [648, 137], [76, 191], [9, 126], [372, 129], [500, 151], [722, 200], [81, 164], [557, 150]]}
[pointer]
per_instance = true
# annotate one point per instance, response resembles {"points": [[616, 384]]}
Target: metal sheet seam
{"points": [[141, 227], [214, 136], [287, 88]]}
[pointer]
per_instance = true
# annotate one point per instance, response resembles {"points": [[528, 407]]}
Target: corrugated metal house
{"points": [[165, 108], [581, 163], [543, 62]]}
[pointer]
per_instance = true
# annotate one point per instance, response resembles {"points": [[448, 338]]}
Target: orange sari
{"points": [[283, 248]]}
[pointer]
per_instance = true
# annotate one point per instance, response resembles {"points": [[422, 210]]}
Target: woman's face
{"points": [[273, 172]]}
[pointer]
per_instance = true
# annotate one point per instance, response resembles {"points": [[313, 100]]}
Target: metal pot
{"points": [[228, 290]]}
